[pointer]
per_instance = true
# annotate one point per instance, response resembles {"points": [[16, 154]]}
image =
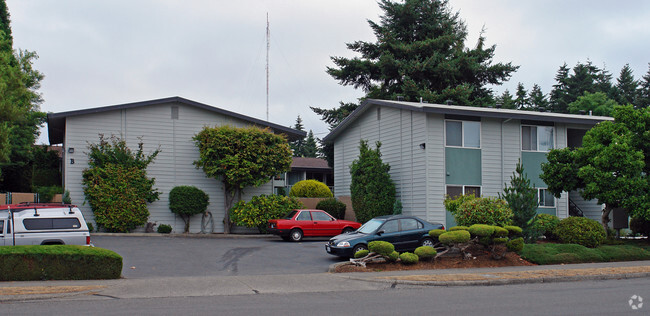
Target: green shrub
{"points": [[500, 232], [550, 253], [66, 199], [455, 228], [481, 230], [46, 194], [310, 189], [409, 258], [371, 189], [164, 229], [545, 224], [485, 240], [393, 256], [116, 184], [500, 240], [515, 245], [332, 206], [452, 204], [186, 201], [490, 211], [90, 226], [580, 230], [454, 237], [397, 207], [513, 231], [361, 253], [435, 233], [640, 226], [58, 262], [425, 252], [383, 248], [260, 209]]}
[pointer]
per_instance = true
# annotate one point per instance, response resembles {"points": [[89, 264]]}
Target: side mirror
{"points": [[379, 233]]}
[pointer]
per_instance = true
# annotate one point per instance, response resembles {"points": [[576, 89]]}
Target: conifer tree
{"points": [[522, 200], [310, 149], [626, 86], [521, 100], [537, 99], [643, 101]]}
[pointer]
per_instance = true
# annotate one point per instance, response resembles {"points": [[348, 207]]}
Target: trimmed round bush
{"points": [[383, 248], [409, 258], [310, 189], [489, 211], [393, 256], [500, 232], [435, 233], [455, 228], [164, 229], [332, 206], [481, 230], [515, 245], [361, 253], [454, 237], [545, 224], [513, 231], [500, 240], [580, 230], [186, 201], [640, 226], [425, 252]]}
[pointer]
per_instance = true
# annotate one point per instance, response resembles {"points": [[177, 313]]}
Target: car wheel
{"points": [[295, 235], [348, 230], [359, 247], [427, 242]]}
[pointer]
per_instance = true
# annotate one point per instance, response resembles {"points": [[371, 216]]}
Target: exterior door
{"points": [[410, 233], [2, 233]]}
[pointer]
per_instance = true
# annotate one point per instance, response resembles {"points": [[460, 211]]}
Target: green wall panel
{"points": [[463, 166], [532, 162]]}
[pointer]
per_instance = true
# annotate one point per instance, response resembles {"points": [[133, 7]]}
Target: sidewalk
{"points": [[318, 282]]}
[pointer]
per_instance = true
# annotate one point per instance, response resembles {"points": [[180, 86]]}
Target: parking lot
{"points": [[170, 256]]}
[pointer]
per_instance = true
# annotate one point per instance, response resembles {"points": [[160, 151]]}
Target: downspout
{"points": [[502, 151]]}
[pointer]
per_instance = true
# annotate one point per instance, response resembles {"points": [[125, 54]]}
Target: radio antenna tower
{"points": [[268, 47]]}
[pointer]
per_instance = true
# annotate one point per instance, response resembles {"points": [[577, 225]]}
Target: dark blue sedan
{"points": [[405, 232]]}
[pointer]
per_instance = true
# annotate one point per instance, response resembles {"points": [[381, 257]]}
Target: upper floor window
{"points": [[463, 134], [536, 138]]}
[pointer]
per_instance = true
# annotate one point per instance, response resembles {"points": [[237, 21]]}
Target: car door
{"points": [[303, 220], [411, 230], [324, 225], [389, 232]]}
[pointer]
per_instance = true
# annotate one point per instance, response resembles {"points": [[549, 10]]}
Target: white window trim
{"points": [[462, 137], [480, 187], [539, 194], [521, 143]]}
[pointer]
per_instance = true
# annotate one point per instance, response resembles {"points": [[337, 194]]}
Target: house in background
{"points": [[437, 150], [304, 168], [168, 124]]}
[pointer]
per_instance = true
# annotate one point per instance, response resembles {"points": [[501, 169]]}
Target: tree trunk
{"points": [[227, 204], [604, 219]]}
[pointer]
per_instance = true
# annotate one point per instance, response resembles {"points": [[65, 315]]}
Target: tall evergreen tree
{"points": [[522, 200], [559, 96], [626, 86], [643, 101], [521, 100], [582, 80], [537, 99], [603, 83], [310, 148], [297, 146], [420, 53], [506, 101]]}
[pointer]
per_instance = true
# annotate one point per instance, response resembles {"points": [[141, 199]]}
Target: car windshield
{"points": [[370, 226], [290, 214]]}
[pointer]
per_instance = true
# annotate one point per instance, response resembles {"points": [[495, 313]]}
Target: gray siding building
{"points": [[168, 124], [438, 150]]}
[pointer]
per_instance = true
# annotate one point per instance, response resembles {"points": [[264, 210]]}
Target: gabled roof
{"points": [[56, 121], [466, 111], [310, 164]]}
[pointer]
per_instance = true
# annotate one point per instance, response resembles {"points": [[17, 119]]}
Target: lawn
{"points": [[621, 250]]}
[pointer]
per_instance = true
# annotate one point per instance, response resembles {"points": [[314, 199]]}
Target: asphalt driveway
{"points": [[157, 256]]}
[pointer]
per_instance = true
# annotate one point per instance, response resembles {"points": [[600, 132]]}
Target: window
{"points": [[545, 198], [320, 216], [390, 227], [51, 223], [455, 191], [536, 138], [2, 227], [463, 134], [410, 224], [304, 216]]}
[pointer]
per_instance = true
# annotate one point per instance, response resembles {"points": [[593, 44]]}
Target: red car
{"points": [[310, 223]]}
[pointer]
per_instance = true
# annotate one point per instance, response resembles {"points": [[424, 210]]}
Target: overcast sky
{"points": [[99, 53]]}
